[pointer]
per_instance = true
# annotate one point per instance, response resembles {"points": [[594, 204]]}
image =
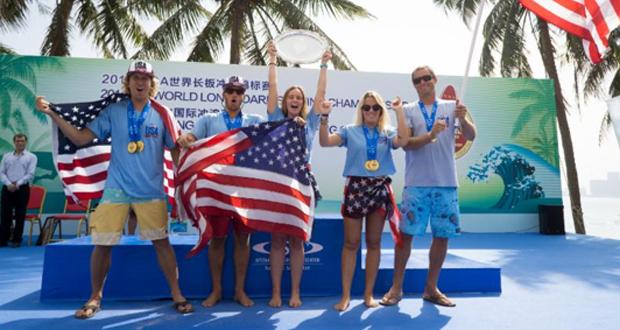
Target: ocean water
{"points": [[601, 216]]}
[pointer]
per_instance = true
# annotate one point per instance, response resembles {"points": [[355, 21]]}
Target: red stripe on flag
{"points": [[280, 209], [84, 162], [553, 18], [255, 183], [89, 179]]}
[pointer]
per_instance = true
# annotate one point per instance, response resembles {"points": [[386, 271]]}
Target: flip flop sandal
{"points": [[391, 300], [94, 309], [439, 299], [180, 307]]}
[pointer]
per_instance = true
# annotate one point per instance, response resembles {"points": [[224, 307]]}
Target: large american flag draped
{"points": [[83, 170], [256, 174], [590, 20]]}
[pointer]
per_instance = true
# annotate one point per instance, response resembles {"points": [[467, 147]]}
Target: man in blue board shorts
{"points": [[430, 192]]}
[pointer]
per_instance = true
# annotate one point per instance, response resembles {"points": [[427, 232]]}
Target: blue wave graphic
{"points": [[509, 163]]}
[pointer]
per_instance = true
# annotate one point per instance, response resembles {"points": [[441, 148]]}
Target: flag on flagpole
{"points": [[83, 170], [256, 174], [590, 20]]}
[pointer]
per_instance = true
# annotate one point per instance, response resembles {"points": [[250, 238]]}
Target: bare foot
{"points": [[295, 301], [244, 300], [343, 304], [212, 299], [370, 302], [89, 309], [276, 301]]}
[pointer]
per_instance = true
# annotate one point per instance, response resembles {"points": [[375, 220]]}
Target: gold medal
{"points": [[131, 147], [371, 165], [140, 146]]}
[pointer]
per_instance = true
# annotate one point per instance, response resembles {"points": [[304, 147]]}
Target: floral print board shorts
{"points": [[439, 205]]}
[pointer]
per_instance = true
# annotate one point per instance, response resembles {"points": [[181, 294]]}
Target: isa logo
{"points": [[312, 258]]}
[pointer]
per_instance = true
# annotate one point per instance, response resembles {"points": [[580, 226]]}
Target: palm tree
{"points": [[538, 109], [114, 27], [17, 85], [12, 16], [595, 74], [504, 33], [250, 24]]}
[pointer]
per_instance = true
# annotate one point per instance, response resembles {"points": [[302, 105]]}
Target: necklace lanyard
{"points": [[236, 123], [133, 123], [371, 142], [430, 120]]}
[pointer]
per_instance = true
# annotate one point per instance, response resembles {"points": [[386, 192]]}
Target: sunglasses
{"points": [[420, 79], [375, 107], [234, 90]]}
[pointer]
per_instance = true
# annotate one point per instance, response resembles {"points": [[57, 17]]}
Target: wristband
{"points": [[272, 63], [323, 66]]}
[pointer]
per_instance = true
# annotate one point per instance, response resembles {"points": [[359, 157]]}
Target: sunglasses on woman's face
{"points": [[367, 107], [419, 79], [234, 90]]}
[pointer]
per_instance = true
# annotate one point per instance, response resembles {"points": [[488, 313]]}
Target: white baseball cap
{"points": [[141, 67]]}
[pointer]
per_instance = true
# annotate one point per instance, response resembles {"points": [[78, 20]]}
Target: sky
{"points": [[404, 35]]}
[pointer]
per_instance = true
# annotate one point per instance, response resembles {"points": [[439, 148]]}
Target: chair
{"points": [[72, 212], [34, 210]]}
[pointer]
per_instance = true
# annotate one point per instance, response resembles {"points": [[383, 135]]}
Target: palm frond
{"points": [[170, 34], [13, 14], [339, 9], [56, 41], [210, 42], [604, 129], [6, 50], [465, 8]]}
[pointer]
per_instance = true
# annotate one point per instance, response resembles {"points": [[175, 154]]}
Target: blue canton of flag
{"points": [[280, 150], [79, 115]]}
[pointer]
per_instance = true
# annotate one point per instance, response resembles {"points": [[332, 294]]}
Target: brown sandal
{"points": [[391, 300], [439, 299], [85, 309]]}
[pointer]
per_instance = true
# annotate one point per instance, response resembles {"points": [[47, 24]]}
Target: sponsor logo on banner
{"points": [[310, 257]]}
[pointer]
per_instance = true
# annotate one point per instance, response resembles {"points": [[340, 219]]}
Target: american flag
{"points": [[83, 170], [256, 174], [590, 20]]}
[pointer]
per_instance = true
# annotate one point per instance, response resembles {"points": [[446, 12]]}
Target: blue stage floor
{"points": [[548, 282]]}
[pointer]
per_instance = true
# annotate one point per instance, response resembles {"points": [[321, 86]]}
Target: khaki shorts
{"points": [[108, 220]]}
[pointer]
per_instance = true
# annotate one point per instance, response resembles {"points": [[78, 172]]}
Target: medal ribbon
{"points": [[230, 124], [371, 143], [430, 120], [133, 123]]}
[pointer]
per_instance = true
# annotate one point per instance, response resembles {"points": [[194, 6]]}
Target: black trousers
{"points": [[13, 203]]}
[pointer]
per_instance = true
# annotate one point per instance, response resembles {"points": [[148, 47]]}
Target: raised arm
{"points": [[321, 86], [272, 97], [326, 139], [78, 137], [467, 127], [402, 135]]}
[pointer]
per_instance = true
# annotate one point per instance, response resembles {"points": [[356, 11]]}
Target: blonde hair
{"points": [[304, 108], [384, 118], [152, 90]]}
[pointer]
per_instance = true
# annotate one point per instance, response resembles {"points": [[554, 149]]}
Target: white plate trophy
{"points": [[301, 46]]}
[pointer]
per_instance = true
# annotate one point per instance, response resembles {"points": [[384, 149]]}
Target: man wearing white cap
{"points": [[134, 180], [211, 124]]}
